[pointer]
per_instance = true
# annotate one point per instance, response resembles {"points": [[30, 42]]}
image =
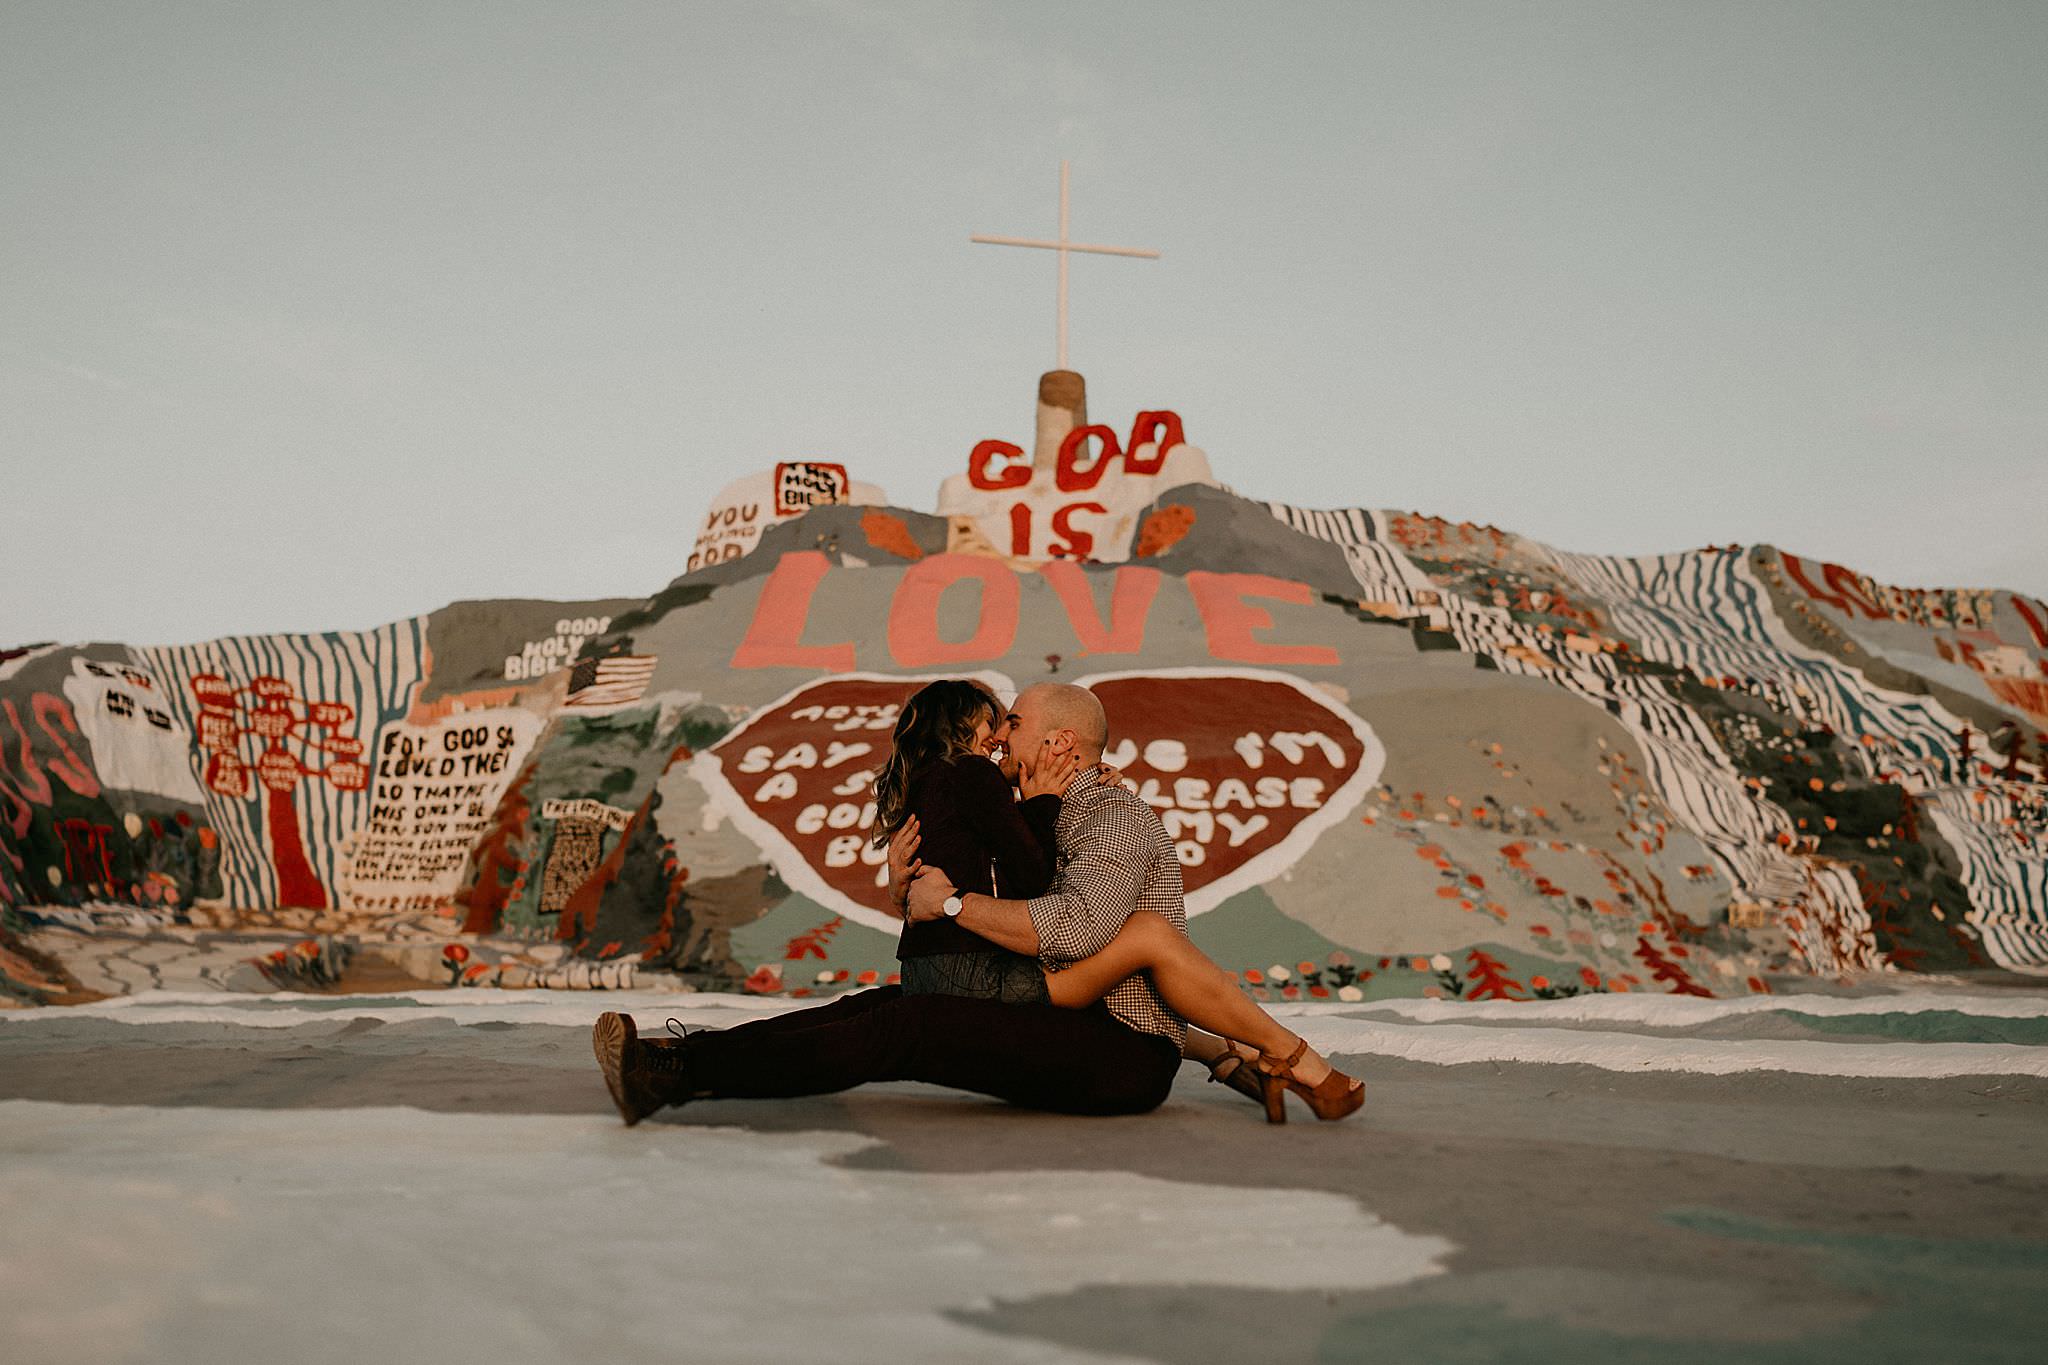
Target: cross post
{"points": [[1063, 246]]}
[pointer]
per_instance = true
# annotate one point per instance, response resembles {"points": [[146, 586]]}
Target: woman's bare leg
{"points": [[1204, 1047], [1192, 986]]}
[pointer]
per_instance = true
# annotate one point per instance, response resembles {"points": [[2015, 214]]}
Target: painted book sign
{"points": [[1245, 768], [801, 485], [746, 507]]}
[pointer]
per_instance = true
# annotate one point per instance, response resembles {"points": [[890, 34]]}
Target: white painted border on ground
{"points": [[1431, 1038]]}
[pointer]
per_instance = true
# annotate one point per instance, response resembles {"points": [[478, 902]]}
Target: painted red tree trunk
{"points": [[297, 886]]}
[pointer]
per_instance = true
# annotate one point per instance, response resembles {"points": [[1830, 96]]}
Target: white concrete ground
{"points": [[438, 1176]]}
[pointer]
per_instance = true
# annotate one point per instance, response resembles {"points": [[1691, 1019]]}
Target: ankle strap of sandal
{"points": [[1279, 1064]]}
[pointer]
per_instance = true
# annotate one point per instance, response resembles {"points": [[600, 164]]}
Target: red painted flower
{"points": [[1254, 977], [1291, 992], [766, 980], [476, 971], [867, 978], [1319, 992], [456, 952], [1590, 977]]}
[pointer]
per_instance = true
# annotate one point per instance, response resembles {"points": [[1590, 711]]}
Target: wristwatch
{"points": [[952, 907]]}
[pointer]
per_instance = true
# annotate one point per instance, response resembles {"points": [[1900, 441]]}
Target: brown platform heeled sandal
{"points": [[1333, 1097], [1236, 1070]]}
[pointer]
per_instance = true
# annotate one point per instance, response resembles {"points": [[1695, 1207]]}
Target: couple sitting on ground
{"points": [[1045, 951]]}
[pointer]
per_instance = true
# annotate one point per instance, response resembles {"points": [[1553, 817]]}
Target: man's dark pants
{"points": [[1039, 1056]]}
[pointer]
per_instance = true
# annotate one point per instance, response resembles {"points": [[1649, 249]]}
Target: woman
{"points": [[942, 779], [942, 788]]}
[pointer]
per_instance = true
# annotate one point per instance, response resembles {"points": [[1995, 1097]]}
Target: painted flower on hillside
{"points": [[1350, 994], [766, 980], [453, 957]]}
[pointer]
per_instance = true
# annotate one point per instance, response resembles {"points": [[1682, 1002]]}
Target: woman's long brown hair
{"points": [[937, 722]]}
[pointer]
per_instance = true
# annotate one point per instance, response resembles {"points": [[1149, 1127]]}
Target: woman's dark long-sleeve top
{"points": [[971, 829]]}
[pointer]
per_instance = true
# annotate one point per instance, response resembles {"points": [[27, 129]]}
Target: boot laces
{"points": [[667, 1059]]}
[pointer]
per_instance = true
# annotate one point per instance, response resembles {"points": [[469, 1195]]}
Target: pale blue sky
{"points": [[313, 316]]}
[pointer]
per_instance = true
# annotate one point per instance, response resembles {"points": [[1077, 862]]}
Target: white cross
{"points": [[1063, 246]]}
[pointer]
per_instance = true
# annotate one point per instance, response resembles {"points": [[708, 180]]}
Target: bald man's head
{"points": [[1059, 718]]}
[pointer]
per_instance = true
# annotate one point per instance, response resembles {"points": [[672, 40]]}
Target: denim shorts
{"points": [[1009, 977]]}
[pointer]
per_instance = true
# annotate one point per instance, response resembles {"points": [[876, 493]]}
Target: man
{"points": [[1115, 1057]]}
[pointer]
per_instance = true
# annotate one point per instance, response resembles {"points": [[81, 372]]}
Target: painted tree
{"points": [[812, 942], [497, 866], [270, 711], [1490, 979], [1664, 969]]}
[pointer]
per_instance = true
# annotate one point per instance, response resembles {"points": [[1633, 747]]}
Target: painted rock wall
{"points": [[1397, 756]]}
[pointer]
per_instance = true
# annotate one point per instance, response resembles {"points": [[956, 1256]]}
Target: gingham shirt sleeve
{"points": [[1096, 889], [1115, 859]]}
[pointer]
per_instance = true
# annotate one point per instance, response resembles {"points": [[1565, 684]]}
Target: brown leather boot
{"points": [[640, 1077]]}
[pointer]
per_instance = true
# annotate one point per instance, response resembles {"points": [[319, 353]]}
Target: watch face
{"points": [[952, 905]]}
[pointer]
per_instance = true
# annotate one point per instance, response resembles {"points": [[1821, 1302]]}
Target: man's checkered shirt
{"points": [[1114, 859]]}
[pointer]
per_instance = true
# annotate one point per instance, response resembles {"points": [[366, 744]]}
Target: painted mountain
{"points": [[1398, 756]]}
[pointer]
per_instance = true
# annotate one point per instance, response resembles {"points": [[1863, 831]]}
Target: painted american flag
{"points": [[612, 681]]}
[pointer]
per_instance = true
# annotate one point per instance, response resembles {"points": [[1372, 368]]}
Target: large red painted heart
{"points": [[797, 777], [1245, 768]]}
